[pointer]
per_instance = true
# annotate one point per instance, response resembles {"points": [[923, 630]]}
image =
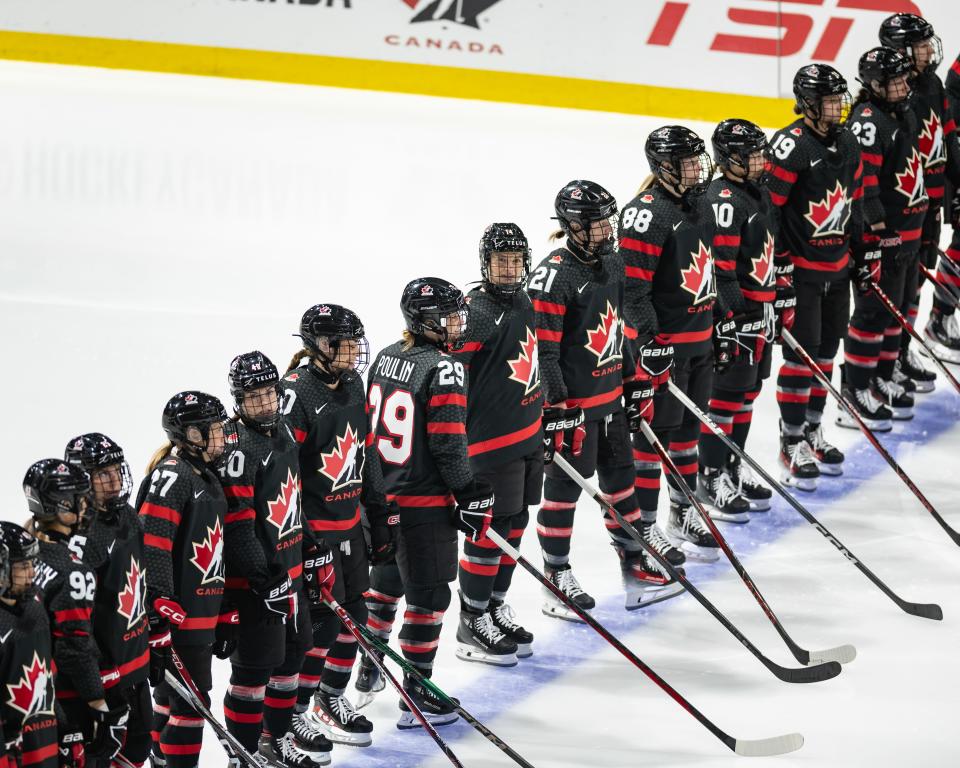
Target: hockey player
{"points": [[504, 441], [671, 289], [263, 560], [112, 545], [743, 243], [578, 295], [58, 496], [325, 405], [895, 204], [815, 179], [183, 508], [417, 398], [28, 727]]}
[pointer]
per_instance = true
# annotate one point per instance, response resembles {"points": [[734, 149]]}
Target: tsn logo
{"points": [[787, 31]]}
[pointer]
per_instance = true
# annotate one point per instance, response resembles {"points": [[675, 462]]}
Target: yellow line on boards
{"points": [[426, 79]]}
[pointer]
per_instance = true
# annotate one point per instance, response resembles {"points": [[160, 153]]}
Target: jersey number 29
{"points": [[395, 415]]}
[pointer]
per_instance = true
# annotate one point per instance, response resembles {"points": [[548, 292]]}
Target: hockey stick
{"points": [[361, 640], [776, 745], [924, 610], [868, 433], [842, 654], [812, 674], [407, 667], [182, 683], [903, 322]]}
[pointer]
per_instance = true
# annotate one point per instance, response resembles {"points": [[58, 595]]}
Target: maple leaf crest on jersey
{"points": [[762, 270], [931, 141], [830, 215], [132, 600], [284, 511], [525, 369], [344, 464], [30, 694], [606, 340], [208, 554], [698, 277], [910, 181]]}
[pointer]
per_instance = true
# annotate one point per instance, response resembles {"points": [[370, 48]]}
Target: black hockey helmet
{"points": [[335, 324], [17, 545], [811, 85], [194, 409], [666, 148], [250, 371], [503, 238], [583, 203], [427, 302], [879, 66], [904, 31], [94, 452], [54, 487], [735, 140]]}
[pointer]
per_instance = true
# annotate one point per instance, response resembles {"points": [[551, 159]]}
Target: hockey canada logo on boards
{"points": [[132, 600], [284, 511], [208, 555], [762, 265], [448, 17], [343, 465], [31, 694], [931, 142], [525, 369], [465, 12], [697, 279], [910, 180], [606, 340], [830, 215]]}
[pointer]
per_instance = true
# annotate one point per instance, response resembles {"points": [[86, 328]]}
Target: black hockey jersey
{"points": [[183, 509], [742, 219], [894, 191], [68, 589], [26, 668], [939, 147], [339, 467], [114, 550], [580, 329], [504, 400], [671, 274], [418, 413], [263, 533], [818, 187]]}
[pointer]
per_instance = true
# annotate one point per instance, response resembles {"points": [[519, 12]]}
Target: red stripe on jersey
{"points": [[31, 756], [544, 335], [504, 440], [760, 296], [247, 513], [859, 172], [638, 245], [134, 665], [421, 501], [821, 266], [778, 200], [161, 513], [872, 157], [858, 193], [335, 525], [549, 307], [200, 622], [910, 234], [591, 402], [72, 614], [437, 400], [446, 428], [238, 491], [950, 126], [783, 174], [299, 435], [725, 265], [870, 180], [731, 240], [630, 333], [690, 337], [955, 67], [935, 193], [157, 542], [639, 274], [471, 346]]}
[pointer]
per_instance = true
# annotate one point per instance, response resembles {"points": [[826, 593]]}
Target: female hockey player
{"points": [[895, 205], [504, 441], [671, 289], [814, 177], [578, 295], [418, 403], [325, 405], [28, 727], [743, 243], [263, 560], [58, 497], [183, 508], [112, 545]]}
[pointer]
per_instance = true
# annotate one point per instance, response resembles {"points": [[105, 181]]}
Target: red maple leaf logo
{"points": [[525, 369], [910, 181], [208, 554], [556, 259], [284, 511], [725, 192], [606, 340], [830, 215], [698, 277], [931, 141], [344, 464], [132, 600], [31, 694], [796, 131], [292, 377], [763, 264]]}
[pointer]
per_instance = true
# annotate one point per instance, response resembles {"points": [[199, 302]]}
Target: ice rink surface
{"points": [[155, 226]]}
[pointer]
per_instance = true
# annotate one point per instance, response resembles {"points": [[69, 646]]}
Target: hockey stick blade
{"points": [[842, 654], [814, 673], [777, 745], [923, 610]]}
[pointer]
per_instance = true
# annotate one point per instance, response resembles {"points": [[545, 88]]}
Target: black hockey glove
{"points": [[725, 348], [638, 402], [384, 532], [277, 595], [474, 508], [785, 303], [562, 428], [868, 260], [70, 746], [655, 360], [109, 732], [318, 571], [226, 635]]}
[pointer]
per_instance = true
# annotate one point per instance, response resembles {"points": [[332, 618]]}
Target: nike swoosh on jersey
{"points": [[580, 289], [497, 321], [752, 217], [317, 410], [197, 494], [677, 226], [110, 548], [814, 162], [3, 638], [268, 458]]}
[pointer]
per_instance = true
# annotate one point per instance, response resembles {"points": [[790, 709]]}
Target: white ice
{"points": [[154, 226]]}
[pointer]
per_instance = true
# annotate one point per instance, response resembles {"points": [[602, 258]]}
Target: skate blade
{"points": [[560, 611], [524, 650], [875, 425], [337, 735], [942, 353], [759, 505], [830, 470], [408, 720], [924, 387], [365, 697], [806, 484], [466, 652], [695, 552], [648, 596], [902, 414]]}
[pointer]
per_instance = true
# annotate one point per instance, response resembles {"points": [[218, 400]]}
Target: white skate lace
{"points": [[726, 490], [657, 540], [291, 755], [816, 440], [693, 522], [483, 625], [950, 326], [800, 454], [504, 616], [913, 359], [891, 389], [568, 583], [898, 375], [303, 729], [342, 710], [866, 399]]}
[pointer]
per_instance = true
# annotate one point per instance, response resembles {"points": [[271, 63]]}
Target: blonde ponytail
{"points": [[408, 341], [298, 358], [158, 456], [647, 183], [558, 235]]}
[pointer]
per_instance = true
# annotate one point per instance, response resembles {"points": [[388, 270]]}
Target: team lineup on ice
{"points": [[376, 554]]}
